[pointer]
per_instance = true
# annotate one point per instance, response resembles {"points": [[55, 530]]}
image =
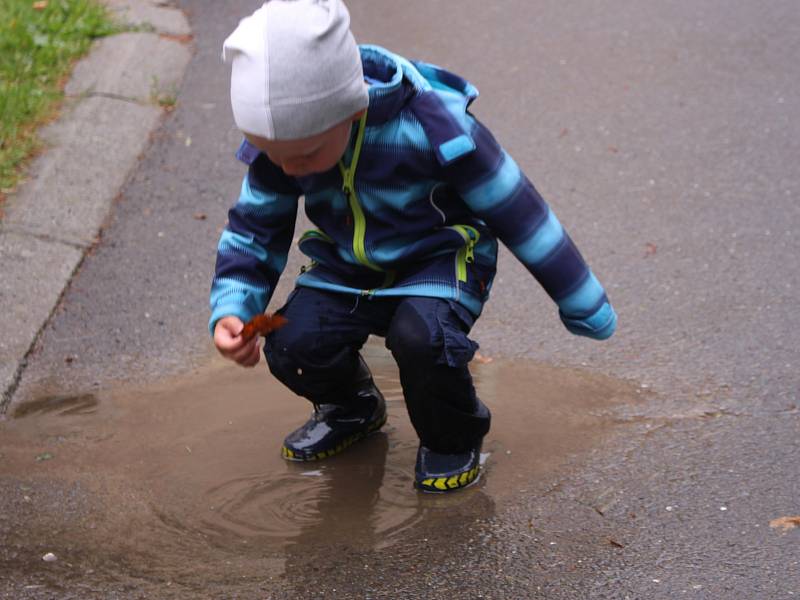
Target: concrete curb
{"points": [[115, 100]]}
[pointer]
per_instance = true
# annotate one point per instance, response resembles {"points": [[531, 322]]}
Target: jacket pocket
{"points": [[466, 254]]}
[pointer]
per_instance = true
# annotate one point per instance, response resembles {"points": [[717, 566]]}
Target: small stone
{"points": [[49, 557]]}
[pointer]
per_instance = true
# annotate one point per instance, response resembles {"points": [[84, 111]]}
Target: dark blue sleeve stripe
{"points": [[562, 271], [590, 310], [246, 269], [518, 218], [277, 239]]}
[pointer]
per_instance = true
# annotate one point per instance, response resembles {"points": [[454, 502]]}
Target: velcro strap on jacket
{"points": [[448, 138], [247, 153]]}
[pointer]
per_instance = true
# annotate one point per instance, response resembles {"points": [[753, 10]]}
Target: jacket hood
{"points": [[396, 81]]}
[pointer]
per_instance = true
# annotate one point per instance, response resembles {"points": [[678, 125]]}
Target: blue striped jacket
{"points": [[432, 194]]}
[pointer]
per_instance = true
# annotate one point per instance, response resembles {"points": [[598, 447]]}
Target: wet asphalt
{"points": [[665, 136]]}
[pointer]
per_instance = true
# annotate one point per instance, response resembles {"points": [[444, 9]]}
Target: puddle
{"points": [[185, 476]]}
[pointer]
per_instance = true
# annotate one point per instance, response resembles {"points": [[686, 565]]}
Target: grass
{"points": [[39, 42]]}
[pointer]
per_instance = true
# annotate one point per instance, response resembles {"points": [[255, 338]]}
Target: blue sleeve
{"points": [[253, 248], [496, 190]]}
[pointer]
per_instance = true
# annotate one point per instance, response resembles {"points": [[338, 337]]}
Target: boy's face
{"points": [[307, 156]]}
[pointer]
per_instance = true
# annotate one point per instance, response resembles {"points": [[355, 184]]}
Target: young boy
{"points": [[409, 194]]}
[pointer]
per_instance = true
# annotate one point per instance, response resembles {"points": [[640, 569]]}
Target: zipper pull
{"points": [[470, 255]]}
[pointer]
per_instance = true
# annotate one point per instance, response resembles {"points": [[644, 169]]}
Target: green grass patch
{"points": [[39, 41]]}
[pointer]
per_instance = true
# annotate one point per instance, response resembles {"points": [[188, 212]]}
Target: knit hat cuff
{"points": [[310, 116]]}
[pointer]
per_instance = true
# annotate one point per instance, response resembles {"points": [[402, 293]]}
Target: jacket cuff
{"points": [[599, 326], [229, 310]]}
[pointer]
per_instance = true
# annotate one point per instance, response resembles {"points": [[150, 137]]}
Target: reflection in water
{"points": [[346, 508], [306, 499], [370, 514], [185, 479], [364, 496]]}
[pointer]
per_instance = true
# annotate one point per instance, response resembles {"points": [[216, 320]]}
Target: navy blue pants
{"points": [[316, 356]]}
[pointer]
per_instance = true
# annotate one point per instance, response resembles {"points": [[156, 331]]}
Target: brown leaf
{"points": [[615, 543], [563, 133], [262, 325], [649, 249], [785, 523], [200, 216], [180, 38], [39, 5]]}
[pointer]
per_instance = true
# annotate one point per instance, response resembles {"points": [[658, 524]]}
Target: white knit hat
{"points": [[295, 69]]}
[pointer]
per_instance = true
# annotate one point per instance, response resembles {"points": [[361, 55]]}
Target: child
{"points": [[409, 194]]}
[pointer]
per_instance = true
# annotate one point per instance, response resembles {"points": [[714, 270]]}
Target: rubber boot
{"points": [[332, 427]]}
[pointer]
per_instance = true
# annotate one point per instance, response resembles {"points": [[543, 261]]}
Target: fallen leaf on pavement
{"points": [[785, 523], [181, 38], [649, 249], [480, 358], [200, 216]]}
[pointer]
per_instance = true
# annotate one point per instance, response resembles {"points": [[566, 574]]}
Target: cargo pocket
{"points": [[454, 322]]}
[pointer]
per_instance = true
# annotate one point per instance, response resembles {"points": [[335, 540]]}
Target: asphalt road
{"points": [[666, 137]]}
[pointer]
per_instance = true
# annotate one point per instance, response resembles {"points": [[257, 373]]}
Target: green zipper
{"points": [[467, 253], [388, 280], [349, 189], [315, 233]]}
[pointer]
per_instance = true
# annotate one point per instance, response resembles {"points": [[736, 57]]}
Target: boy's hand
{"points": [[232, 346]]}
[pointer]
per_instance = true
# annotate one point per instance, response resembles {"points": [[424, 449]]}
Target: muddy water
{"points": [[182, 480]]}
